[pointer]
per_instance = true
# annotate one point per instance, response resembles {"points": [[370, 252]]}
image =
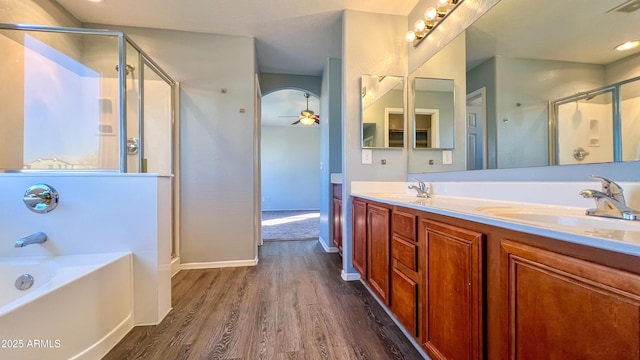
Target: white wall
{"points": [[290, 167], [383, 51], [99, 213], [217, 141]]}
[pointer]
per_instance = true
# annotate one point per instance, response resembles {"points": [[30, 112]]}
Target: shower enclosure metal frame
{"points": [[143, 59], [614, 89]]}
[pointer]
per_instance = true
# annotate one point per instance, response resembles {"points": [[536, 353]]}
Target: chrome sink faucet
{"points": [[422, 189], [610, 201], [37, 238]]}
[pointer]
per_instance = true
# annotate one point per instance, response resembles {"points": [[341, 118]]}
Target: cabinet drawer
{"points": [[404, 224], [404, 301], [405, 252]]}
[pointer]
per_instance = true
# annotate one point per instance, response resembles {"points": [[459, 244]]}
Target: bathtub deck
{"points": [[293, 305]]}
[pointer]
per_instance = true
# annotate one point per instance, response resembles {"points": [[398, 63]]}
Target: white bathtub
{"points": [[79, 306]]}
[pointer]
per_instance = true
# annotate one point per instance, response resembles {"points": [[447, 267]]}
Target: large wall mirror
{"points": [[551, 89], [433, 105], [383, 114]]}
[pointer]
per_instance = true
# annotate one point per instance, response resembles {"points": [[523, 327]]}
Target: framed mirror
{"points": [[433, 108], [553, 96], [383, 114]]}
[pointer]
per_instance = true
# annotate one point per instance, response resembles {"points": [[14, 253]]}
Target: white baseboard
{"points": [[108, 342], [218, 264], [350, 276], [329, 249], [175, 266]]}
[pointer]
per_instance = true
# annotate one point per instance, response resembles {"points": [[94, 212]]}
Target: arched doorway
{"points": [[290, 172]]}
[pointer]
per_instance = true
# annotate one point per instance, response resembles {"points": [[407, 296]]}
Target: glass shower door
{"points": [[584, 127], [630, 119], [157, 123]]}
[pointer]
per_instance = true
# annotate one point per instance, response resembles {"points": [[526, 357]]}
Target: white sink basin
{"points": [[398, 196], [560, 217]]}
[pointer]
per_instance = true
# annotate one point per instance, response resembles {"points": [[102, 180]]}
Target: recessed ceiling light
{"points": [[628, 45]]}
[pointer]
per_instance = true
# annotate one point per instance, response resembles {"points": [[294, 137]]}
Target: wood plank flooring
{"points": [[292, 305]]}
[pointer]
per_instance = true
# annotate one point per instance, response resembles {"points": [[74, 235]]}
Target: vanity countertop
{"points": [[567, 223]]}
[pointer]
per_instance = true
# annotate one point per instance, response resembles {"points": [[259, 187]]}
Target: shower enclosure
{"points": [[76, 99], [599, 125], [82, 99]]}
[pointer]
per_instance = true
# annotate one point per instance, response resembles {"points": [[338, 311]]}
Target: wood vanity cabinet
{"points": [[468, 290], [371, 245], [405, 275], [337, 216], [359, 237], [560, 307], [453, 291], [378, 250]]}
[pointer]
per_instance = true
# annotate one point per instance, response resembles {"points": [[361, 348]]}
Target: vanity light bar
{"points": [[431, 18]]}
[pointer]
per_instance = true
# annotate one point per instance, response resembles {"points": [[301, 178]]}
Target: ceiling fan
{"points": [[307, 117]]}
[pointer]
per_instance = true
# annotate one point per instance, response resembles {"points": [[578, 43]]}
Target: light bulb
{"points": [[628, 45], [443, 2], [419, 26], [410, 36], [431, 14]]}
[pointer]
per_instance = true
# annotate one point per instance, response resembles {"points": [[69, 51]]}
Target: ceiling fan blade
{"points": [[295, 122], [317, 121], [284, 116]]}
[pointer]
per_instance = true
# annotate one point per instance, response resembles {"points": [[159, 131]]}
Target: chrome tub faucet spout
{"points": [[422, 189], [36, 238], [610, 201]]}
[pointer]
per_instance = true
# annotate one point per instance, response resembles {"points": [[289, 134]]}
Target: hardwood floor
{"points": [[292, 305]]}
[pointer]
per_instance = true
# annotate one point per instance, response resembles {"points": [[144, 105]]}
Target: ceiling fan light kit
{"points": [[307, 117]]}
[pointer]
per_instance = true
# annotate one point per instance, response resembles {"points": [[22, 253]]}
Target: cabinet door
{"points": [[559, 307], [453, 291], [359, 236], [404, 303], [337, 223], [378, 234]]}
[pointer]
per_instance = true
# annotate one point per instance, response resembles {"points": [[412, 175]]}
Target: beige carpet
{"points": [[290, 225]]}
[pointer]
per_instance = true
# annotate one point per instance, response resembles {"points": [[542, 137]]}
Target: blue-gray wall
{"points": [[330, 142], [272, 82], [484, 75], [290, 171]]}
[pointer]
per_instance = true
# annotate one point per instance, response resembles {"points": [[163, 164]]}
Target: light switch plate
{"points": [[447, 157], [367, 156]]}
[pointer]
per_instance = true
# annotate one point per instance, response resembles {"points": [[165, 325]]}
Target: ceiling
{"points": [[568, 30], [292, 37]]}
